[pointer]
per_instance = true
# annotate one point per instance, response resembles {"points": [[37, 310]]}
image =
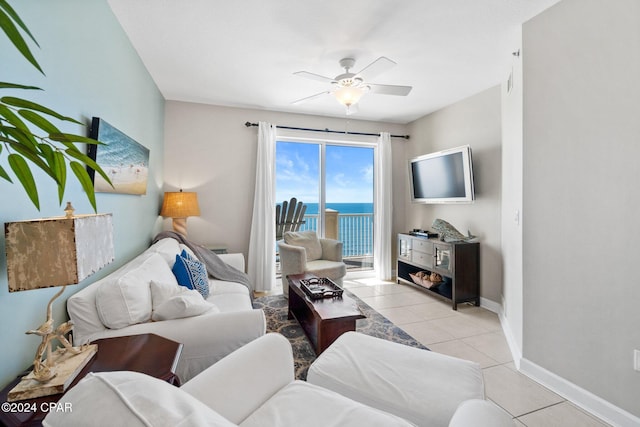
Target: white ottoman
{"points": [[418, 385]]}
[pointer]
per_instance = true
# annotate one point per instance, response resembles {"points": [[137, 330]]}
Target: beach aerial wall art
{"points": [[124, 160]]}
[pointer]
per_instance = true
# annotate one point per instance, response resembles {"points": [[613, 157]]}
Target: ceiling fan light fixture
{"points": [[348, 95]]}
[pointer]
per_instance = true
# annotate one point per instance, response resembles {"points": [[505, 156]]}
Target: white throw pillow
{"points": [[128, 300], [189, 304], [131, 399], [175, 302], [162, 291], [308, 240]]}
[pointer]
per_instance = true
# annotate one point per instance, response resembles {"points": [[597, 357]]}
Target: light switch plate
{"points": [[636, 360]]}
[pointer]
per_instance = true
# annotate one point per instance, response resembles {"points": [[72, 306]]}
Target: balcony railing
{"points": [[354, 230]]}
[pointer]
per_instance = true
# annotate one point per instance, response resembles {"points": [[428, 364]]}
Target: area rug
{"points": [[276, 306]]}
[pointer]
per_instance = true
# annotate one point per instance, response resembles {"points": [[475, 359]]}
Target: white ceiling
{"points": [[243, 53]]}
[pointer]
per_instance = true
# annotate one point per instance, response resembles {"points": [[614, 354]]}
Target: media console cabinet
{"points": [[457, 262]]}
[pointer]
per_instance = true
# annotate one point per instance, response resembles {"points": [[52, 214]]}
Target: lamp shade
{"points": [[57, 251], [349, 95], [180, 204]]}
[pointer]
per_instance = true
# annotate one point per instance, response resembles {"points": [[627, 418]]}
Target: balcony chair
{"points": [[289, 217], [303, 252]]}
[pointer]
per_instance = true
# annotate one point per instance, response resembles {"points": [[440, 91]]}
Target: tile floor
{"points": [[472, 333]]}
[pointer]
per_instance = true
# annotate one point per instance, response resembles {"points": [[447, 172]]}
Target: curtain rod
{"points": [[249, 124]]}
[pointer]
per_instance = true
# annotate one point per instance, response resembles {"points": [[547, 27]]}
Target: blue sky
{"points": [[349, 173]]}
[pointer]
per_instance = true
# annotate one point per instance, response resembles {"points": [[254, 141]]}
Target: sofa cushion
{"points": [[306, 239], [312, 406], [332, 269], [373, 370], [131, 399], [167, 248], [172, 301], [191, 274], [480, 413], [127, 301]]}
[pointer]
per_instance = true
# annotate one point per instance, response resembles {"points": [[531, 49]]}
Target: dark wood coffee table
{"points": [[148, 353], [323, 320]]}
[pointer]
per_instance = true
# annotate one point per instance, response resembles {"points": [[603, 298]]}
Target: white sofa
{"points": [[123, 301], [254, 386]]}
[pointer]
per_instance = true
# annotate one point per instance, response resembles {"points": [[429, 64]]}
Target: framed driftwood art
{"points": [[124, 160]]}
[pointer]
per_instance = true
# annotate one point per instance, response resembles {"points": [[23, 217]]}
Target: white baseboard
{"points": [[491, 305], [516, 352], [580, 397]]}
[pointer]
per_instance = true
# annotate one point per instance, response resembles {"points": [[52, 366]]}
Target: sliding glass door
{"points": [[335, 182], [298, 176]]}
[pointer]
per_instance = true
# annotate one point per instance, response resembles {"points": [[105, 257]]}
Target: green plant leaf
{"points": [[82, 175], [60, 169], [57, 163], [46, 151], [4, 175], [89, 162], [69, 137], [31, 154], [7, 25], [19, 136], [23, 103], [23, 173], [39, 121], [12, 13], [13, 119], [5, 85]]}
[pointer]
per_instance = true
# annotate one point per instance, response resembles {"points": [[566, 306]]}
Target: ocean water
{"points": [[346, 208], [355, 225], [119, 150]]}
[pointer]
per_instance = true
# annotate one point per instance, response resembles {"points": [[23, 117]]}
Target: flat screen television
{"points": [[442, 177]]}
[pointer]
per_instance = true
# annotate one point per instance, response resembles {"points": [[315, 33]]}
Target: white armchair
{"points": [[252, 387], [303, 252]]}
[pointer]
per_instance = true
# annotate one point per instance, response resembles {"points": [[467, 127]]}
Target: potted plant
{"points": [[48, 148]]}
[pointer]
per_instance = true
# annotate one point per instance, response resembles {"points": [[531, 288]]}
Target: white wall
{"points": [[209, 150], [512, 199], [474, 121], [581, 196], [91, 70]]}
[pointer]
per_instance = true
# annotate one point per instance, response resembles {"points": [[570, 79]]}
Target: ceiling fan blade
{"points": [[308, 98], [313, 76], [376, 68], [389, 89]]}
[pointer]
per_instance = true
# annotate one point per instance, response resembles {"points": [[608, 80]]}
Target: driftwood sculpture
{"points": [[448, 232], [44, 370]]}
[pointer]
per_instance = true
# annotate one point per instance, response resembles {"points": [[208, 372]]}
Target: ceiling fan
{"points": [[349, 87]]}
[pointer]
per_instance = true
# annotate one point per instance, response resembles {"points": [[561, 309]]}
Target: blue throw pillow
{"points": [[191, 274]]}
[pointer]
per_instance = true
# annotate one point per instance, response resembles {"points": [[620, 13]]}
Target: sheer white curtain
{"points": [[262, 258], [383, 209]]}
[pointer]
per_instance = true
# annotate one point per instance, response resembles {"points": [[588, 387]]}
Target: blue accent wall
{"points": [[91, 70]]}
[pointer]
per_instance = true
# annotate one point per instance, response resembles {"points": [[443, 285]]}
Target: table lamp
{"points": [[179, 205], [51, 252]]}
